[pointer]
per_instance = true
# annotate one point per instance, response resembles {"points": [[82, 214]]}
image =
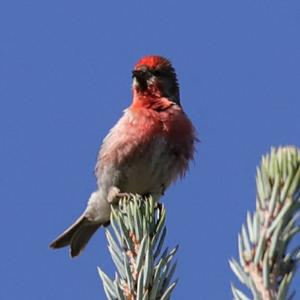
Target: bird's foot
{"points": [[115, 195]]}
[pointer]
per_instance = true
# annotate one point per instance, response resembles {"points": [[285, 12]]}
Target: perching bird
{"points": [[148, 149]]}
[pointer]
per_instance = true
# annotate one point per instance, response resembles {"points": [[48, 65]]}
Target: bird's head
{"points": [[155, 77]]}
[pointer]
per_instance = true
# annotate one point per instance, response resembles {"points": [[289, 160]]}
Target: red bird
{"points": [[148, 149]]}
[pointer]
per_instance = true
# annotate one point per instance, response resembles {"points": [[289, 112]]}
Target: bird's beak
{"points": [[140, 79], [138, 74]]}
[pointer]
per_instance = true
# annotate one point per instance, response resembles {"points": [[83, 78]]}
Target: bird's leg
{"points": [[159, 207], [163, 188], [114, 195]]}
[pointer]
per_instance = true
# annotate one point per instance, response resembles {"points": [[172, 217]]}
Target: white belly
{"points": [[150, 172]]}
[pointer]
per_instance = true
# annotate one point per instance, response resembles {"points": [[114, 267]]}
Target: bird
{"points": [[149, 148]]}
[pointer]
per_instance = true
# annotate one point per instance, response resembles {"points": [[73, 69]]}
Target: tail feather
{"points": [[81, 238], [77, 236]]}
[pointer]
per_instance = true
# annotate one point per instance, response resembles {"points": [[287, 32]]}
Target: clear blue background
{"points": [[65, 77]]}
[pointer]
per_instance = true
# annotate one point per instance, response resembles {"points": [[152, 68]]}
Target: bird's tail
{"points": [[77, 236]]}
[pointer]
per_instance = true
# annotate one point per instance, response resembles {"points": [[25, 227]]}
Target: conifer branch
{"points": [[267, 263], [143, 270]]}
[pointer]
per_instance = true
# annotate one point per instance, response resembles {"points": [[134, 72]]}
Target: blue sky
{"points": [[65, 76]]}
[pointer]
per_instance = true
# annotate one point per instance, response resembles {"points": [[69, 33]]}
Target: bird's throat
{"points": [[142, 101]]}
